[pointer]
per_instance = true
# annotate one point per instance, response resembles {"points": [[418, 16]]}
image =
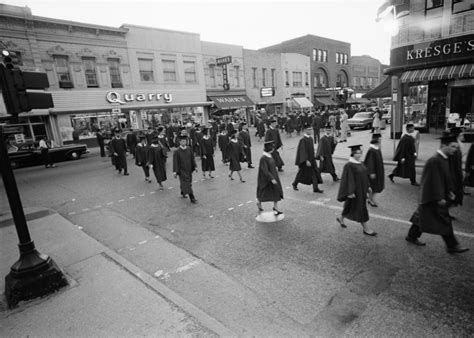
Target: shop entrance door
{"points": [[437, 106], [462, 106]]}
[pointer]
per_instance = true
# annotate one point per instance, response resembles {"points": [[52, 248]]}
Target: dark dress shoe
{"points": [[340, 223], [295, 187], [318, 191], [277, 212], [373, 233], [251, 167], [126, 174], [390, 177], [457, 249], [372, 204], [280, 169], [415, 241], [416, 184], [194, 201]]}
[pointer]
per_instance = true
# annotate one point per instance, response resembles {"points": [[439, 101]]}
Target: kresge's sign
{"points": [[461, 47]]}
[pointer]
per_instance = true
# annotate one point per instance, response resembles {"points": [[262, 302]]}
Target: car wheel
{"points": [[74, 155]]}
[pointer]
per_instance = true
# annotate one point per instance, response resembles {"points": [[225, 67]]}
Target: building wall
{"points": [[258, 60], [291, 63], [366, 73]]}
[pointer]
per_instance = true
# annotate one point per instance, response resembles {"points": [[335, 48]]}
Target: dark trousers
{"points": [[316, 135], [146, 170], [102, 149], [450, 240], [47, 161]]}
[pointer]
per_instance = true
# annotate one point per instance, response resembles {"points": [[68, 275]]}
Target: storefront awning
{"points": [[324, 101], [302, 102], [231, 101], [439, 73], [382, 90]]}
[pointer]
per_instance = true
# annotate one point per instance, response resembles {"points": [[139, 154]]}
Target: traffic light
{"points": [[14, 84]]}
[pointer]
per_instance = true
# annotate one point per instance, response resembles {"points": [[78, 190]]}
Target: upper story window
{"points": [[462, 5], [346, 61], [287, 78], [212, 75], [236, 76], [320, 55], [169, 70], [320, 79], [297, 79], [90, 71], [315, 52], [145, 67], [254, 77], [337, 57], [264, 77], [273, 77], [306, 79], [325, 56], [114, 70], [434, 4], [190, 71], [62, 69]]}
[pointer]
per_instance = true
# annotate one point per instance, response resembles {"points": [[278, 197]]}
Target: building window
{"points": [[264, 77], [297, 79], [62, 69], [273, 77], [169, 70], [320, 55], [145, 67], [190, 71], [90, 71], [306, 79], [114, 70], [212, 75], [325, 56], [346, 61], [320, 79], [254, 77], [341, 79], [337, 57], [462, 5], [314, 54], [287, 78], [236, 77], [434, 4]]}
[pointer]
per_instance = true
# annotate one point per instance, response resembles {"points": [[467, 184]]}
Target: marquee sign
{"points": [[268, 91], [123, 98]]}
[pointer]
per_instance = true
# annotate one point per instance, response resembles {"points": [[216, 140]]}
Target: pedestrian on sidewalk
{"points": [[376, 122], [157, 156], [236, 155], [269, 187], [374, 164], [119, 151], [344, 126], [273, 134], [432, 215], [308, 172], [405, 156], [207, 153], [244, 139], [141, 156], [326, 148], [183, 166], [354, 190], [44, 146]]}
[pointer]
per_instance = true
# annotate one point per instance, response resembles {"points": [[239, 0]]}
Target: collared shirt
{"points": [[442, 154], [374, 146], [353, 160], [267, 154]]}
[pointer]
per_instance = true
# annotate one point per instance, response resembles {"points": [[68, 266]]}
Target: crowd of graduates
{"points": [[441, 187]]}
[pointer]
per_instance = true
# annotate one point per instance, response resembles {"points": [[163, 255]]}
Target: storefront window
{"points": [[417, 105], [85, 126], [462, 108]]}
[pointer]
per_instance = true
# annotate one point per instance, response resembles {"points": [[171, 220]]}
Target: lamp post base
{"points": [[36, 283]]}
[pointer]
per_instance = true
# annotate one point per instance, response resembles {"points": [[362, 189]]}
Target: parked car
{"points": [[387, 116], [361, 120], [29, 154]]}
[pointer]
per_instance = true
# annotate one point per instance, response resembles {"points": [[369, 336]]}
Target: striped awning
{"points": [[439, 73]]}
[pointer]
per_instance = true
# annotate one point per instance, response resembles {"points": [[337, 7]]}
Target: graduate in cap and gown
{"points": [[118, 147], [157, 156], [436, 194], [405, 156], [244, 138], [141, 156], [269, 187], [163, 139], [236, 155], [223, 142], [326, 147], [374, 163], [207, 153], [272, 134], [308, 172], [183, 166], [455, 167], [353, 191]]}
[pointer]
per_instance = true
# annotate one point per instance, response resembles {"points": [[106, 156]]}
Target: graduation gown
{"points": [[119, 146], [326, 147], [305, 152], [170, 136], [405, 149], [207, 155], [164, 142], [455, 168], [274, 135], [354, 180], [157, 158], [141, 157], [469, 168], [236, 153], [223, 142], [244, 138], [266, 190], [374, 164], [184, 165], [261, 129], [435, 185]]}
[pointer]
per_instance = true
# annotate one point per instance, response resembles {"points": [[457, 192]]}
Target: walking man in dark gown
{"points": [[405, 155], [273, 134], [207, 153], [183, 166], [436, 194], [244, 138], [374, 164], [119, 151], [308, 172], [326, 147]]}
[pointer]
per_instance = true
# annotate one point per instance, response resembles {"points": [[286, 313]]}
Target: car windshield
{"points": [[362, 116]]}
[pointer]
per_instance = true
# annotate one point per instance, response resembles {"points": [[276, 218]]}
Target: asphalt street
{"points": [[301, 275]]}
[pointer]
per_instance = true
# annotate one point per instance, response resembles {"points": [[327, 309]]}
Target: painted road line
{"points": [[72, 213], [387, 218], [152, 192], [211, 216], [240, 205], [131, 197], [230, 209], [142, 195], [98, 206], [170, 188], [121, 200], [86, 209], [110, 203], [142, 242], [157, 236], [248, 202], [188, 266], [73, 199]]}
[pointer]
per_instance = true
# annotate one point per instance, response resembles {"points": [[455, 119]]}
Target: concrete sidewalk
{"points": [[106, 296]]}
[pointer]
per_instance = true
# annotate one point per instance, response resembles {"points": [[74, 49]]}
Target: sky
{"points": [[251, 24]]}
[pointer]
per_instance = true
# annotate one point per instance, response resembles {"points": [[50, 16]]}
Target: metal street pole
{"points": [[34, 274]]}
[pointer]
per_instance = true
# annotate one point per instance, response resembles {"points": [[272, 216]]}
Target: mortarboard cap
{"points": [[160, 129], [376, 136], [355, 147], [447, 137], [409, 125], [268, 145], [154, 140], [182, 137], [455, 131], [204, 130]]}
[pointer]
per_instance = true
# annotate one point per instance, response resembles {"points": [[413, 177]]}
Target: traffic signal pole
{"points": [[33, 274]]}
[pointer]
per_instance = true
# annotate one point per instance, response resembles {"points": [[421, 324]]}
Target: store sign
{"points": [[265, 92], [223, 61], [116, 97], [236, 99], [461, 47]]}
